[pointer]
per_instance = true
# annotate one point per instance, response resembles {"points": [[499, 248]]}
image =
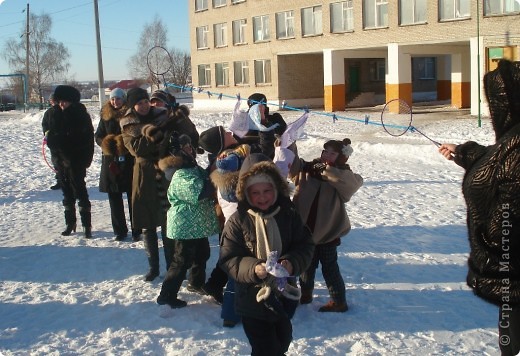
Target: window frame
{"points": [[347, 16], [415, 20], [377, 70], [241, 31], [380, 19], [456, 9], [202, 34], [216, 6], [266, 72], [201, 5], [502, 5], [288, 20], [222, 74], [220, 34], [263, 20], [315, 24], [207, 75], [243, 68]]}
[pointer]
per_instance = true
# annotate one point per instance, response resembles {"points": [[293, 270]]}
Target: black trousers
{"points": [[187, 254], [268, 338], [117, 212], [73, 186], [509, 329]]}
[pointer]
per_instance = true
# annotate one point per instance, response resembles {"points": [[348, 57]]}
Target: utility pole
{"points": [[27, 57], [101, 80]]}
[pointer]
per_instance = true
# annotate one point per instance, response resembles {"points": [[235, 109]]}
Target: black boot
{"points": [[70, 220], [169, 248], [151, 246], [86, 221]]}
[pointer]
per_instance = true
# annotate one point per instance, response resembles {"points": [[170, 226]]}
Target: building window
{"points": [[263, 71], [220, 30], [202, 37], [311, 21], [239, 31], [237, 1], [241, 72], [501, 7], [375, 13], [222, 74], [201, 5], [377, 70], [412, 11], [426, 67], [341, 16], [285, 25], [219, 3], [454, 9], [204, 71], [261, 28]]}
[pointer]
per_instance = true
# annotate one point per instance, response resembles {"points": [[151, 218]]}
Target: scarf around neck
{"points": [[267, 233]]}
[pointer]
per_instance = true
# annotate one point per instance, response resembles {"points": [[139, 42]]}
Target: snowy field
{"points": [[404, 262]]}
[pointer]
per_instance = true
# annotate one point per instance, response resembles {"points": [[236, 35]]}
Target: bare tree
{"points": [[48, 59], [155, 34]]}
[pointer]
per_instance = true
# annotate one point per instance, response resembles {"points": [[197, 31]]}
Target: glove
{"points": [[45, 136]]}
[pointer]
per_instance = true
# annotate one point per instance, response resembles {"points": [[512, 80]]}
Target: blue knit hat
{"points": [[118, 93]]}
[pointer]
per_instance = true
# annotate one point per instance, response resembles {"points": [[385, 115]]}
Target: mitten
{"points": [[152, 132]]}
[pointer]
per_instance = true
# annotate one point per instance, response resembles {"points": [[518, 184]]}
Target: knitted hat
{"points": [[343, 148], [502, 88], [163, 96], [212, 140], [260, 178], [231, 160], [135, 95], [118, 93], [67, 93], [256, 98]]}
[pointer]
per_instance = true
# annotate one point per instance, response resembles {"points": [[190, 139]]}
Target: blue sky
{"points": [[121, 23]]}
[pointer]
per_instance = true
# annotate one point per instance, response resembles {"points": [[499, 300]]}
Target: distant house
{"points": [[126, 84]]}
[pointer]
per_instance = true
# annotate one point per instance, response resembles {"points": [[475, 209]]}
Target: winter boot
{"points": [[151, 246], [86, 220], [70, 220], [334, 307], [306, 297]]}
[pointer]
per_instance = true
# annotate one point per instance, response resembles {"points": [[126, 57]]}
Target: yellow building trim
{"points": [[334, 97], [461, 95], [399, 91], [443, 89]]}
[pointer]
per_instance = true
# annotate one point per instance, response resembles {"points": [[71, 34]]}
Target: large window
{"points": [[261, 28], [426, 67], [454, 9], [501, 7], [263, 71], [285, 24], [201, 5], [241, 72], [341, 16], [219, 3], [239, 31], [202, 37], [220, 30], [311, 21], [375, 13], [204, 72], [222, 74], [412, 11]]}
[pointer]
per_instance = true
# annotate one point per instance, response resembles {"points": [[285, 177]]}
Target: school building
{"points": [[340, 54]]}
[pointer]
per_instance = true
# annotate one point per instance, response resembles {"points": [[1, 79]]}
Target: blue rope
{"points": [[284, 105]]}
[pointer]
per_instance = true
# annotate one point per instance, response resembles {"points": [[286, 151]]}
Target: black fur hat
{"points": [[135, 95], [256, 98], [67, 93]]}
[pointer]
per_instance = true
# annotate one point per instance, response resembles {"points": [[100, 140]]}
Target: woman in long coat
{"points": [[491, 188], [145, 135], [117, 163]]}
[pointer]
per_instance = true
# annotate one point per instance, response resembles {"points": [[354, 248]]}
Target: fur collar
{"points": [[108, 112]]}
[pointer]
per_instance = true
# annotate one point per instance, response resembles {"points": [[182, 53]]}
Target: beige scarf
{"points": [[267, 233]]}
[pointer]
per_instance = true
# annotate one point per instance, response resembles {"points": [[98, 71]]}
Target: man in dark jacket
{"points": [[71, 136], [491, 188]]}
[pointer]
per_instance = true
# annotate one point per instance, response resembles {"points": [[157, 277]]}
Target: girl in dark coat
{"points": [[266, 221], [491, 188], [117, 163], [71, 137]]}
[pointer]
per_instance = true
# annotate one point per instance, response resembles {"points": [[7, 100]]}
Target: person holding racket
{"points": [[491, 189], [323, 187]]}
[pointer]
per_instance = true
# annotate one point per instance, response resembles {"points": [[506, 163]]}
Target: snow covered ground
{"points": [[404, 262]]}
